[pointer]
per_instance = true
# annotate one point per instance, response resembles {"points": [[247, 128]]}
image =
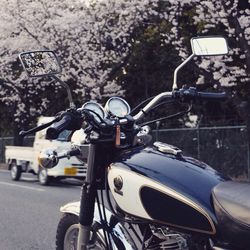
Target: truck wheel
{"points": [[67, 234], [43, 177], [15, 171]]}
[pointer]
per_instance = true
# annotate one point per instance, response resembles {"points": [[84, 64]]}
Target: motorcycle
{"points": [[137, 196]]}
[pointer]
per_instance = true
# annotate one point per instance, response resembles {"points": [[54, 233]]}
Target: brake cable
{"points": [[141, 103], [92, 111], [168, 117], [162, 103]]}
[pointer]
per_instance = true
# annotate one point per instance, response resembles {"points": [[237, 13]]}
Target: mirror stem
{"points": [[177, 69], [66, 86]]}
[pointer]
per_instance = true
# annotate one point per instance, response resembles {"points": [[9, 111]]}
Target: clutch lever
{"points": [[38, 128]]}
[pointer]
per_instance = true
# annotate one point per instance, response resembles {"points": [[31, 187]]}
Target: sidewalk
{"points": [[3, 166]]}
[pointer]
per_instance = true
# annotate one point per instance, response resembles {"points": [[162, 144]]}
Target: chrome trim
{"points": [[107, 108], [167, 149], [151, 104], [177, 69]]}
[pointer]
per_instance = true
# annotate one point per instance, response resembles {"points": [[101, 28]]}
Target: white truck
{"points": [[25, 159]]}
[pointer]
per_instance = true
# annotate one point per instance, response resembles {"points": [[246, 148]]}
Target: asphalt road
{"points": [[29, 212]]}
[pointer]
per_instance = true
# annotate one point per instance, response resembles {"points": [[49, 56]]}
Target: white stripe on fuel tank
{"points": [[130, 200]]}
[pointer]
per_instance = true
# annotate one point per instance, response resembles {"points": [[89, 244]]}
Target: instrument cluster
{"points": [[114, 107]]}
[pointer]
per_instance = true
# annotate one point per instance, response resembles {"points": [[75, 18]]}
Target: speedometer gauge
{"points": [[117, 106], [97, 108]]}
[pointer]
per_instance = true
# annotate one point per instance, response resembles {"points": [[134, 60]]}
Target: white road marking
{"points": [[4, 170], [28, 179], [21, 186]]}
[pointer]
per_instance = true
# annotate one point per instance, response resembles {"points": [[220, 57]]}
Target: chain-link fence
{"points": [[224, 148], [9, 141]]}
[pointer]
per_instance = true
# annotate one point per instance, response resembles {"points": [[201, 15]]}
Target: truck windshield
{"points": [[63, 136]]}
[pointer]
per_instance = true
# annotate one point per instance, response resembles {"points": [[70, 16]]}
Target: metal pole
{"points": [[248, 161], [2, 150]]}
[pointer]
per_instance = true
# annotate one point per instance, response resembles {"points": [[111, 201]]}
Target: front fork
{"points": [[87, 202]]}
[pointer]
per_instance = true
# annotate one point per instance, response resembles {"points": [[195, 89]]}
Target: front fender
{"points": [[121, 239], [71, 208]]}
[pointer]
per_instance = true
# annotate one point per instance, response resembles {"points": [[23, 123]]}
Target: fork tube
{"points": [[87, 204]]}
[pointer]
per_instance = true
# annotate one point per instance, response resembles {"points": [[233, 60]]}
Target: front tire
{"points": [[43, 177], [67, 234], [15, 171]]}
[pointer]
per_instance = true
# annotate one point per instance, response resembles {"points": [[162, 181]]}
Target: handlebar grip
{"points": [[53, 132], [192, 94], [212, 96]]}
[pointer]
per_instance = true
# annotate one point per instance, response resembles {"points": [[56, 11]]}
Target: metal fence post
{"points": [[157, 130], [1, 159], [248, 161], [198, 138], [198, 142]]}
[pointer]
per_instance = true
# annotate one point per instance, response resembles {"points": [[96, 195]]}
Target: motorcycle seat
{"points": [[232, 208]]}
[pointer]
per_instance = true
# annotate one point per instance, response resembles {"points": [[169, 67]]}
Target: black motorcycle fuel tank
{"points": [[165, 189]]}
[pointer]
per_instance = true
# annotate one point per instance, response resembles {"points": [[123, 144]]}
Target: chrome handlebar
{"points": [[151, 104]]}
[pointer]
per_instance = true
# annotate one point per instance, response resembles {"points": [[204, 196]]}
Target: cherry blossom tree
{"points": [[232, 19], [96, 40], [91, 38]]}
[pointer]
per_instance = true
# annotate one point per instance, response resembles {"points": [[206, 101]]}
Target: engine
{"points": [[165, 239]]}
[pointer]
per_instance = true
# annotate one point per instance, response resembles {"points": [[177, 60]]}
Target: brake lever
{"points": [[38, 128]]}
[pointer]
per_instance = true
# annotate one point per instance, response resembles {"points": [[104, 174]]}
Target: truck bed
{"points": [[19, 153]]}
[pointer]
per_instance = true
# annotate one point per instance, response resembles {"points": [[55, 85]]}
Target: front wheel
{"points": [[67, 234], [15, 171], [43, 177]]}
